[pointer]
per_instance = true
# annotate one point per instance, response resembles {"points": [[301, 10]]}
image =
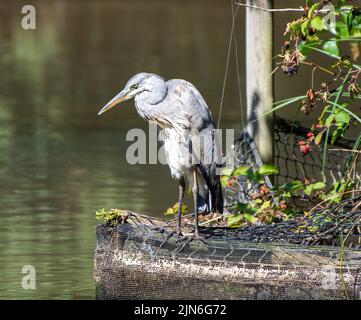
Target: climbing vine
{"points": [[331, 28], [325, 27]]}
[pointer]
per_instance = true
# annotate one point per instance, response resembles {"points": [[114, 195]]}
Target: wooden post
{"points": [[259, 54]]}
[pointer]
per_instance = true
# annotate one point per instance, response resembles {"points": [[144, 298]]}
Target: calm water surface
{"points": [[59, 162]]}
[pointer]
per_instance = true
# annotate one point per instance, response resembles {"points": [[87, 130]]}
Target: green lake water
{"points": [[59, 162]]}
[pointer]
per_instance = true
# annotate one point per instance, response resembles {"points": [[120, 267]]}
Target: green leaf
{"points": [[313, 39], [227, 172], [313, 187], [224, 181], [304, 48], [344, 61], [336, 134], [100, 214], [173, 210], [330, 119], [234, 220], [354, 22], [318, 139], [241, 171], [305, 26], [313, 9], [241, 207], [331, 47], [342, 107], [249, 218], [341, 2], [342, 30], [294, 185], [267, 169], [295, 26], [265, 205], [169, 211], [342, 118], [317, 23]]}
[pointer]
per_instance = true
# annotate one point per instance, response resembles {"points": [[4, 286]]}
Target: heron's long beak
{"points": [[120, 97]]}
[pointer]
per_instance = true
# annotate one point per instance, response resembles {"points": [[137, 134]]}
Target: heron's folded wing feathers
{"points": [[190, 103]]}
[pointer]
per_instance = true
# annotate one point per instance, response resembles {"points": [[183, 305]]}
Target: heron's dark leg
{"points": [[180, 204], [195, 191]]}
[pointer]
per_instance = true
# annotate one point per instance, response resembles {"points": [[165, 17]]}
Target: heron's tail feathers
{"points": [[202, 204], [215, 196], [218, 198]]}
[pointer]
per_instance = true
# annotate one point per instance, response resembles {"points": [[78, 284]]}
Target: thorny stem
{"points": [[339, 93]]}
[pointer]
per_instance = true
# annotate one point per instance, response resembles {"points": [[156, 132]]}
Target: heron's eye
{"points": [[134, 86]]}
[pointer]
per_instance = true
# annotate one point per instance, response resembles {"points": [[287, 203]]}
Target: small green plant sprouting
{"points": [[111, 217], [174, 209], [264, 206]]}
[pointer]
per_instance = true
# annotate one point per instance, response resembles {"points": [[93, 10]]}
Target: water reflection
{"points": [[59, 162]]}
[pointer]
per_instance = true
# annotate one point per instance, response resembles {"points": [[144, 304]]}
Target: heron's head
{"points": [[139, 83]]}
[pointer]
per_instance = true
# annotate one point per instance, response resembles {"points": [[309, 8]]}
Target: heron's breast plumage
{"points": [[177, 153]]}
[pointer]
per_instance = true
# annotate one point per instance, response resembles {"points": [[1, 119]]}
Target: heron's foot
{"points": [[170, 235], [194, 237], [186, 240], [179, 235], [197, 236]]}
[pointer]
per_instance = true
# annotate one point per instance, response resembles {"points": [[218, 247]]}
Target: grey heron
{"points": [[192, 153]]}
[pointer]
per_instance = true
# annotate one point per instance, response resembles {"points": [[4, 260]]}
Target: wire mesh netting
{"points": [[141, 258], [294, 165]]}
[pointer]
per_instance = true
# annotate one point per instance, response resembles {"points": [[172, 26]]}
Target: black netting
{"points": [[294, 165], [133, 262], [245, 154], [297, 259]]}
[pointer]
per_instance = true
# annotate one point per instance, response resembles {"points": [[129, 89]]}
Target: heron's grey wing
{"points": [[191, 103], [201, 125], [203, 137]]}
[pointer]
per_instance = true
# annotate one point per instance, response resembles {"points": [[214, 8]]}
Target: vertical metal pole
{"points": [[259, 54]]}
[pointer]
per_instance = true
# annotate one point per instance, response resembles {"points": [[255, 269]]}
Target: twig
{"points": [[342, 252], [314, 65], [273, 72], [269, 10], [313, 76], [209, 221], [283, 9], [345, 150]]}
